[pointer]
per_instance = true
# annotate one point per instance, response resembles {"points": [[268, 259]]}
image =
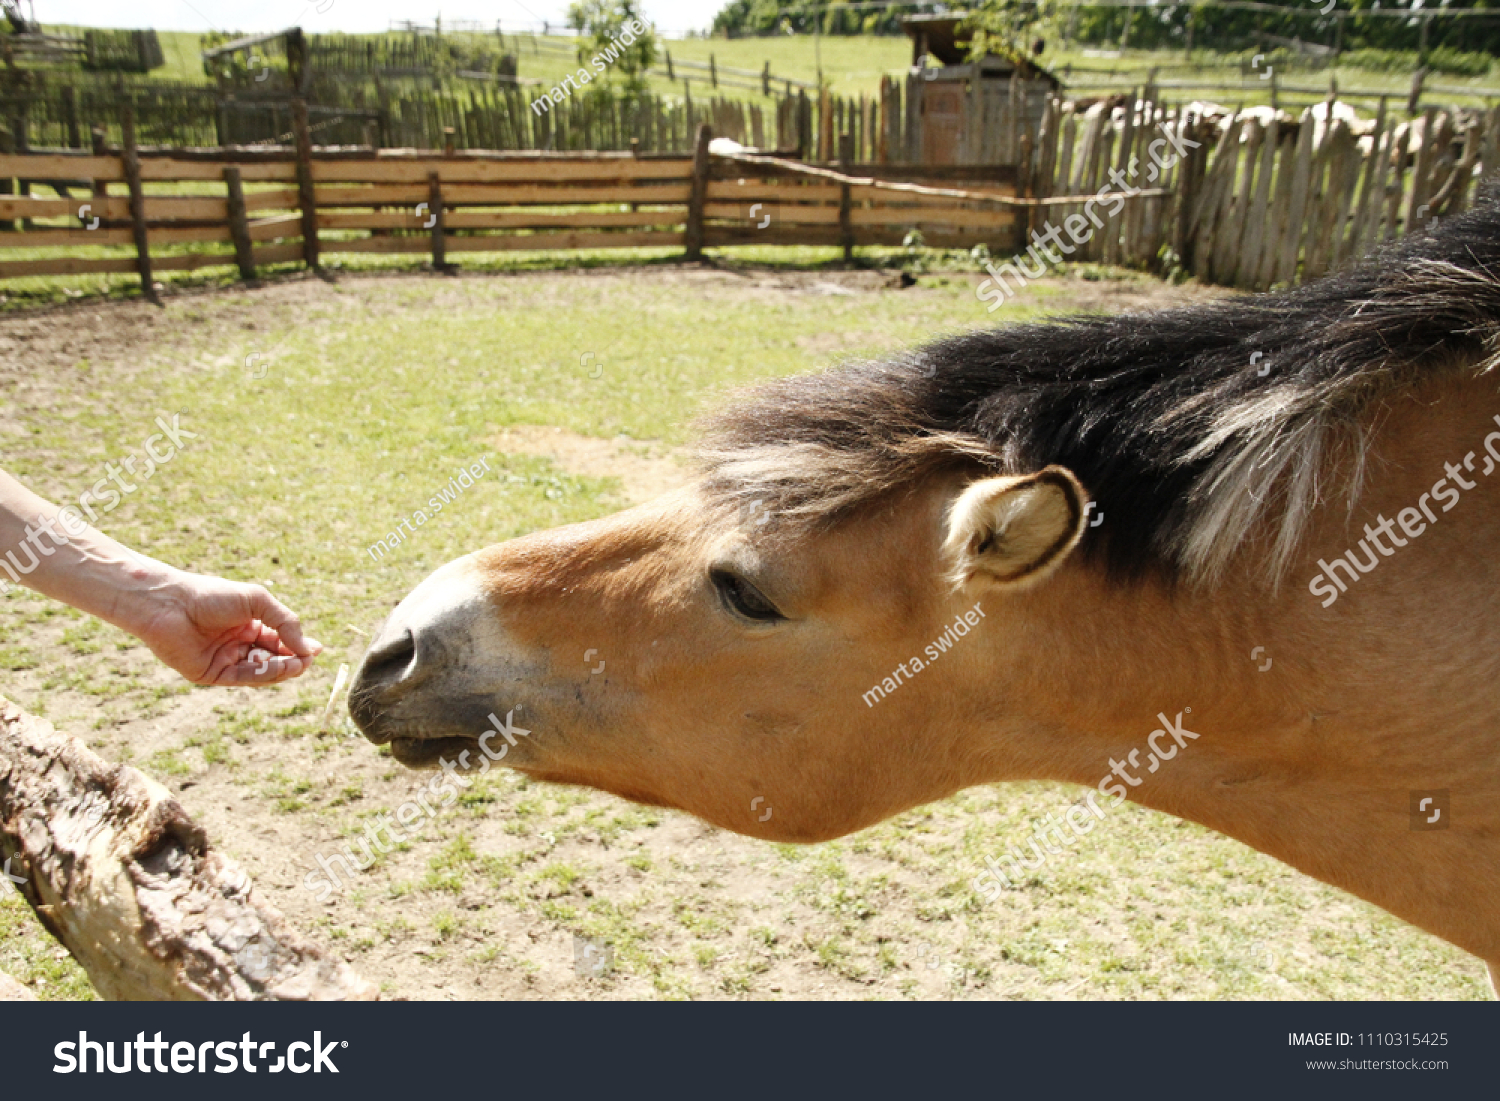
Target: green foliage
{"points": [[1166, 27], [604, 26], [1007, 28], [745, 18]]}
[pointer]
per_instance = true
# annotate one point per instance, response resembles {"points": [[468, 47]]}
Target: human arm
{"points": [[212, 631]]}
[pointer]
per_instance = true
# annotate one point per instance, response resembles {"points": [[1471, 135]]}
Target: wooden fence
{"points": [[51, 111], [783, 204], [708, 72], [96, 50], [1254, 200], [421, 92], [1250, 201], [1284, 203], [301, 203]]}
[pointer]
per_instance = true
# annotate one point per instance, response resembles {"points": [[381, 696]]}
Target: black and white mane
{"points": [[1166, 418]]}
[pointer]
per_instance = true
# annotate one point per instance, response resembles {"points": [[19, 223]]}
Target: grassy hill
{"points": [[854, 65]]}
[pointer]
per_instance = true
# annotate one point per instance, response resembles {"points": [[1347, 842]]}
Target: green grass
{"points": [[182, 52], [854, 64], [32, 957], [1229, 80], [378, 388], [376, 393]]}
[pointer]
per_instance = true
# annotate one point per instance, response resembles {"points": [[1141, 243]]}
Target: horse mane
{"points": [[1164, 417]]}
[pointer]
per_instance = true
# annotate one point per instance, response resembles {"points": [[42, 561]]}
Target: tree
{"points": [[742, 18], [1007, 27], [615, 41], [19, 24]]}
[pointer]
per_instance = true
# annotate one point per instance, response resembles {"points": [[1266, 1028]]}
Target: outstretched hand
{"points": [[226, 633]]}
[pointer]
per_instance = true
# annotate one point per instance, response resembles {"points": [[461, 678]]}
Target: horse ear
{"points": [[1014, 531]]}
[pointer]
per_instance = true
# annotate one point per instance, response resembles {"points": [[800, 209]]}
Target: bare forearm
{"points": [[211, 630], [72, 562]]}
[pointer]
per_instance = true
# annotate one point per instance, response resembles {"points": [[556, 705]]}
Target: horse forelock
{"points": [[1189, 427]]}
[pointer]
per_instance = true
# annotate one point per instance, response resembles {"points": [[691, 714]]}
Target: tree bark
{"points": [[118, 872]]}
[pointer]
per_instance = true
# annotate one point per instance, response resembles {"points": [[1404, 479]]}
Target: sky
{"points": [[669, 16]]}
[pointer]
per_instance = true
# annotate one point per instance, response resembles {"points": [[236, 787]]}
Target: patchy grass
{"points": [[377, 387], [34, 958]]}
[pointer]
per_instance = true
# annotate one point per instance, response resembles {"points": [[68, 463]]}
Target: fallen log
{"points": [[118, 872]]}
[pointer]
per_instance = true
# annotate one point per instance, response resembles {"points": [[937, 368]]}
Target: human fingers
{"points": [[283, 621]]}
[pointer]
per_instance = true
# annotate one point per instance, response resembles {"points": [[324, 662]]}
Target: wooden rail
{"points": [[1251, 201], [280, 205]]}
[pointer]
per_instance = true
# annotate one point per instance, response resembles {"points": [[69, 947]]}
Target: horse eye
{"points": [[743, 597]]}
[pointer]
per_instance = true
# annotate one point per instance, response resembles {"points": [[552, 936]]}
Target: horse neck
{"points": [[1317, 726]]}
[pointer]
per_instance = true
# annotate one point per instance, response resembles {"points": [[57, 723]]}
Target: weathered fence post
{"points": [[1422, 169], [435, 207], [1290, 223], [1258, 210], [1024, 187], [22, 134], [70, 112], [306, 192], [100, 149], [846, 201], [239, 224], [693, 237], [1188, 177], [1414, 99], [1113, 229], [825, 127], [1360, 232], [131, 160], [297, 61], [804, 127], [7, 146]]}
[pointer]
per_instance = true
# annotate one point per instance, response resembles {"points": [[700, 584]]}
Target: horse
{"points": [[1231, 561]]}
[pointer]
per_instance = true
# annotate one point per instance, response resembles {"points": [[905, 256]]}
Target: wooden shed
{"points": [[968, 112]]}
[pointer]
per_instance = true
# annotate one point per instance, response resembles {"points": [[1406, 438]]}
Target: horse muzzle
{"points": [[430, 685]]}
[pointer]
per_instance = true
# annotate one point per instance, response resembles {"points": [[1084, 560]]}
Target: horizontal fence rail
{"points": [[279, 205], [1251, 199]]}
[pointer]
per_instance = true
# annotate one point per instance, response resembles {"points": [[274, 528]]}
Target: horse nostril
{"points": [[390, 662], [389, 670]]}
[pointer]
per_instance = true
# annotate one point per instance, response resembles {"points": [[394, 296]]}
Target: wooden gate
{"points": [[942, 122]]}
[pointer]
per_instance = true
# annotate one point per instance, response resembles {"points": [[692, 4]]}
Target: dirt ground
{"points": [[491, 900]]}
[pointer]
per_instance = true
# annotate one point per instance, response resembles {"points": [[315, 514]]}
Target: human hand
{"points": [[226, 633]]}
